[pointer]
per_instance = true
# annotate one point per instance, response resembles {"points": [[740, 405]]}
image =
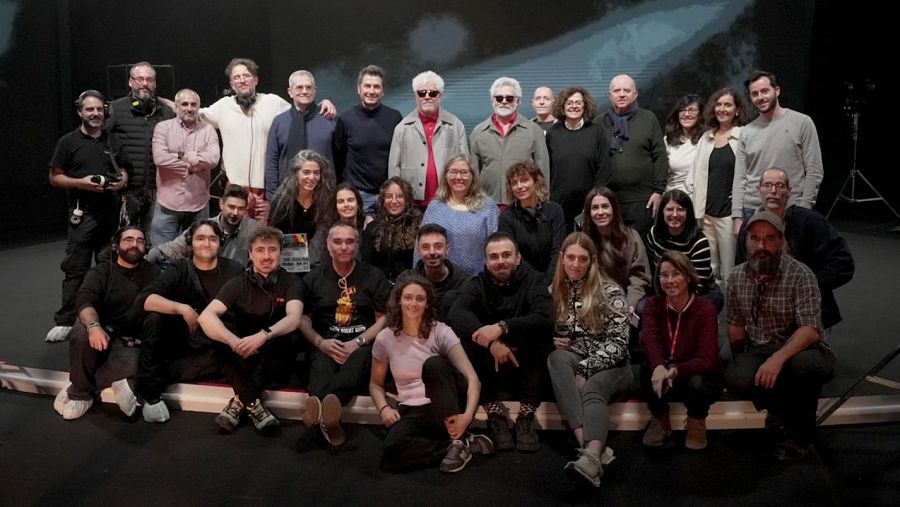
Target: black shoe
{"points": [[789, 450], [498, 432], [526, 436]]}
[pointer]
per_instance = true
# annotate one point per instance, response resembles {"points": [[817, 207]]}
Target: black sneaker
{"points": [[498, 431], [526, 436], [790, 449], [231, 415], [458, 456], [479, 444], [263, 420]]}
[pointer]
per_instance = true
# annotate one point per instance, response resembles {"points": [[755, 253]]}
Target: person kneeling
{"points": [[434, 380], [680, 340]]}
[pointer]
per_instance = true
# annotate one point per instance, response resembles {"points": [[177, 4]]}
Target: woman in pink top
{"points": [[437, 388]]}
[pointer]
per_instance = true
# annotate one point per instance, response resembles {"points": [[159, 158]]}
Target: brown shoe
{"points": [[658, 432], [331, 420], [313, 413], [695, 436]]}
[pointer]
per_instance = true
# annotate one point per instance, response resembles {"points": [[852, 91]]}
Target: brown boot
{"points": [[657, 432], [695, 436]]}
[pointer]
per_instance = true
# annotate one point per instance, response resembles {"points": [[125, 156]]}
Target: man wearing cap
{"points": [[775, 327]]}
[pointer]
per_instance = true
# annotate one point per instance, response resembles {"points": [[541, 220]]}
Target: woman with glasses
{"points": [[536, 224], [679, 335], [710, 180], [579, 158], [676, 229], [304, 201], [682, 132], [389, 242], [465, 211]]}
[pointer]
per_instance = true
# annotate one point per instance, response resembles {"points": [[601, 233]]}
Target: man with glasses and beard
{"points": [[87, 162], [102, 346], [775, 327], [504, 139], [133, 118]]}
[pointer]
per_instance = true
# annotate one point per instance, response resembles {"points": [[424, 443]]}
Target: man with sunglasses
{"points": [[425, 139], [362, 138], [505, 138]]}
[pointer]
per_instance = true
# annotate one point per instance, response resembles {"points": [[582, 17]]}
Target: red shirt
{"points": [[504, 131], [431, 177]]}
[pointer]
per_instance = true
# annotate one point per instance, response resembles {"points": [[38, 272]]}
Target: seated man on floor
{"points": [[233, 220], [345, 305], [102, 345], [433, 265], [173, 347], [504, 318], [775, 329], [255, 318]]}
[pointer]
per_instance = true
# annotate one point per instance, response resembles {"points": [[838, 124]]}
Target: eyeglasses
{"points": [[769, 185], [133, 241], [430, 93], [144, 80], [570, 103], [241, 77], [691, 111], [462, 173], [505, 98]]}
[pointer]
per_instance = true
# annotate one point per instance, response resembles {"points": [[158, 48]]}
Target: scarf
{"points": [[620, 127], [297, 139]]}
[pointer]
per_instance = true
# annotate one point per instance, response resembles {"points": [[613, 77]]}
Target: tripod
{"points": [[856, 173]]}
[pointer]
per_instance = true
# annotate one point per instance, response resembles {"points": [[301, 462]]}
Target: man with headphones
{"points": [[173, 346], [132, 118], [103, 343], [258, 335], [244, 120], [89, 164]]}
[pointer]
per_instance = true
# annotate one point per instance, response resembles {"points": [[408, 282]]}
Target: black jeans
{"points": [[419, 439], [698, 392], [795, 396], [169, 354], [84, 241], [92, 370], [527, 379], [248, 377], [342, 380]]}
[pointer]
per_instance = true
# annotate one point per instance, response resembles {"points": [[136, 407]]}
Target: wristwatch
{"points": [[503, 326], [268, 332], [360, 341]]}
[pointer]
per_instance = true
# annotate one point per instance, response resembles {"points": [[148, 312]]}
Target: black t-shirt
{"points": [[254, 303], [80, 155], [344, 308], [112, 291], [721, 175], [184, 283]]}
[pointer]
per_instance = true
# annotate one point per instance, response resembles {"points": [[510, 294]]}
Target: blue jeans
{"points": [[166, 224], [369, 202]]}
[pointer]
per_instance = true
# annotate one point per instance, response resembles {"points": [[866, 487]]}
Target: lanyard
{"points": [[674, 334]]}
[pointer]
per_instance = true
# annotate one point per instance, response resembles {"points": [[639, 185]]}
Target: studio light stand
{"points": [[852, 107]]}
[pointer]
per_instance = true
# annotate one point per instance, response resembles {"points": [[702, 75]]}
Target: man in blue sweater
{"points": [[362, 138]]}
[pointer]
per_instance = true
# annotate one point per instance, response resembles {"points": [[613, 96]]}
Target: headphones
{"points": [[214, 225], [267, 284], [97, 95], [245, 102]]}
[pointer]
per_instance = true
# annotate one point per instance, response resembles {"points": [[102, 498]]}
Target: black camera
{"points": [[104, 181]]}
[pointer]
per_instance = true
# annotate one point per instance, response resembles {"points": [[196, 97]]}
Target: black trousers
{"points": [[342, 380], [419, 439], [697, 392], [248, 377], [90, 370], [636, 215], [170, 354], [795, 396], [527, 379], [84, 241]]}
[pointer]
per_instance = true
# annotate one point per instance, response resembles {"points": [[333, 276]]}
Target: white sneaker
{"points": [[61, 399], [155, 413], [125, 397], [607, 456], [58, 334], [73, 409]]}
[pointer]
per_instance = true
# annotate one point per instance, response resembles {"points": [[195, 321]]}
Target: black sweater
{"points": [[362, 142], [579, 161], [539, 232]]}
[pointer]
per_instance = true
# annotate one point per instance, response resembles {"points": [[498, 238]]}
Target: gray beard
{"points": [[763, 265]]}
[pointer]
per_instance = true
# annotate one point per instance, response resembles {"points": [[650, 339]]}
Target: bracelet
{"points": [[319, 341], [382, 408], [91, 324]]}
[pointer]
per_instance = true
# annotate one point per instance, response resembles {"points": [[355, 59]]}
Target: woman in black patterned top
{"points": [[590, 364]]}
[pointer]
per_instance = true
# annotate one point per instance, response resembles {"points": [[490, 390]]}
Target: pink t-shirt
{"points": [[406, 355]]}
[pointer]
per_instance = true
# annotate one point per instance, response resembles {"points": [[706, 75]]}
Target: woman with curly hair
{"points": [[589, 365], [437, 386], [304, 201], [388, 243], [579, 153], [683, 129]]}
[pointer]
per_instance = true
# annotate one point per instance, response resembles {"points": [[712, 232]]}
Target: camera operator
{"points": [[87, 162]]}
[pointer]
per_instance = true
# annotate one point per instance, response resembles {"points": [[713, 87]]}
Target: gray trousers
{"points": [[90, 371], [589, 408]]}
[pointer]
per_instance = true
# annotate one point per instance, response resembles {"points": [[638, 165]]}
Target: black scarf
{"points": [[620, 127], [297, 138]]}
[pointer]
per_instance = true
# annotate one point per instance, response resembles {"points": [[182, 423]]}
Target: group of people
{"points": [[452, 272]]}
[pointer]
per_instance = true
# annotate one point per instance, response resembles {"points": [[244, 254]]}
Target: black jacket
{"points": [[447, 290], [539, 232], [134, 129]]}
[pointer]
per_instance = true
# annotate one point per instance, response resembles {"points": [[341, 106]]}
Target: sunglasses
{"points": [[430, 93], [505, 98]]}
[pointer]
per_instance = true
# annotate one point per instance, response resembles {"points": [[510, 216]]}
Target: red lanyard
{"points": [[674, 334]]}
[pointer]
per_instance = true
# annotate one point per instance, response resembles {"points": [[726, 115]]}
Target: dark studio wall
{"points": [[50, 51]]}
